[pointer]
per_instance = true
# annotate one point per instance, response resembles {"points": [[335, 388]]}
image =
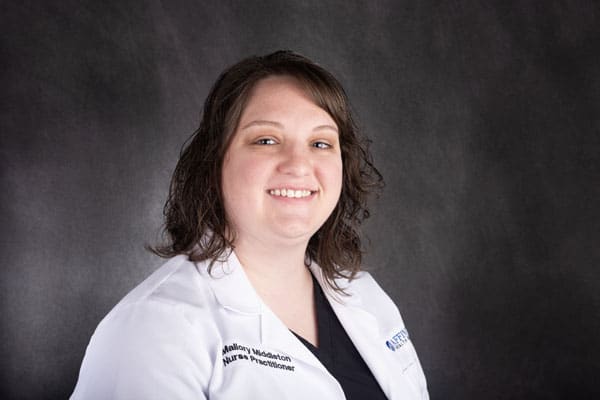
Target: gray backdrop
{"points": [[485, 122]]}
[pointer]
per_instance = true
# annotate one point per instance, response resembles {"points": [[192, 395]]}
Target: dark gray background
{"points": [[485, 122]]}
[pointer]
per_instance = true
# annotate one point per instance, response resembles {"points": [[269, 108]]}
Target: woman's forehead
{"points": [[274, 96]]}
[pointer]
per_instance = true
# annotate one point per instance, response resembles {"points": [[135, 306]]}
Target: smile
{"points": [[290, 193]]}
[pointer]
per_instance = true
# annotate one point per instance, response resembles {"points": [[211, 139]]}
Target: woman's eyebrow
{"points": [[262, 122], [326, 127]]}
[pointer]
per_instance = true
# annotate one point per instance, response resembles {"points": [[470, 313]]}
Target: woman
{"points": [[262, 297]]}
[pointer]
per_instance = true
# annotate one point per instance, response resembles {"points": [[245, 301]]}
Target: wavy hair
{"points": [[195, 219]]}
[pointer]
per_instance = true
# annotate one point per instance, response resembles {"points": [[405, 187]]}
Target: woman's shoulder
{"points": [[178, 282], [371, 297], [175, 297], [362, 291], [154, 329]]}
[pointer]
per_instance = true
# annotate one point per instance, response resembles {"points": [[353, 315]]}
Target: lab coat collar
{"points": [[232, 288], [234, 292], [364, 330], [361, 326], [351, 298]]}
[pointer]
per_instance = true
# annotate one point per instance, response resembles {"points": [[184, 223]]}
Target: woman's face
{"points": [[282, 172]]}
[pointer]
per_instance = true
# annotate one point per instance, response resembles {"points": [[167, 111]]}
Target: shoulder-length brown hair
{"points": [[195, 219]]}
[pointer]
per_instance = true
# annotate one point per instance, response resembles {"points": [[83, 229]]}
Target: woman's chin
{"points": [[293, 233]]}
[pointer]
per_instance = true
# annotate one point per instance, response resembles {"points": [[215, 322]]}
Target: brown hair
{"points": [[195, 220]]}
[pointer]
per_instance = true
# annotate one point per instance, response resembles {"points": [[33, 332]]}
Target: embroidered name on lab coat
{"points": [[235, 352]]}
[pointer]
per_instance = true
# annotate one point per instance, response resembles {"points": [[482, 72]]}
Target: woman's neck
{"points": [[285, 285], [273, 268]]}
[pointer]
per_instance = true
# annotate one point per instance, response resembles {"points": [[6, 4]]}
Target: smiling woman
{"points": [[282, 173], [263, 296]]}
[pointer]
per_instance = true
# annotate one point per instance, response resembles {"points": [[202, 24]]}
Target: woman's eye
{"points": [[322, 145], [266, 141]]}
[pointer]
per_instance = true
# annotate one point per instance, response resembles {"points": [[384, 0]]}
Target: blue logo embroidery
{"points": [[398, 340]]}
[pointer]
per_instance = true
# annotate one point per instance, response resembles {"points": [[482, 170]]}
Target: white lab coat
{"points": [[185, 334]]}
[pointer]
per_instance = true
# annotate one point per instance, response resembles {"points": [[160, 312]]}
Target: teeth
{"points": [[289, 193]]}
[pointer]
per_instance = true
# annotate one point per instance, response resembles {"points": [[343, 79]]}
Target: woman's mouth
{"points": [[291, 193]]}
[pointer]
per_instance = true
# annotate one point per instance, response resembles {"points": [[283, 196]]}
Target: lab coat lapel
{"points": [[275, 335], [232, 287], [234, 292], [363, 328]]}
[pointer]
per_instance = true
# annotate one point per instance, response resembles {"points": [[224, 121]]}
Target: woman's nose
{"points": [[295, 161]]}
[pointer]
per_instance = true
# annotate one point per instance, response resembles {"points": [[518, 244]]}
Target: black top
{"points": [[338, 354]]}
